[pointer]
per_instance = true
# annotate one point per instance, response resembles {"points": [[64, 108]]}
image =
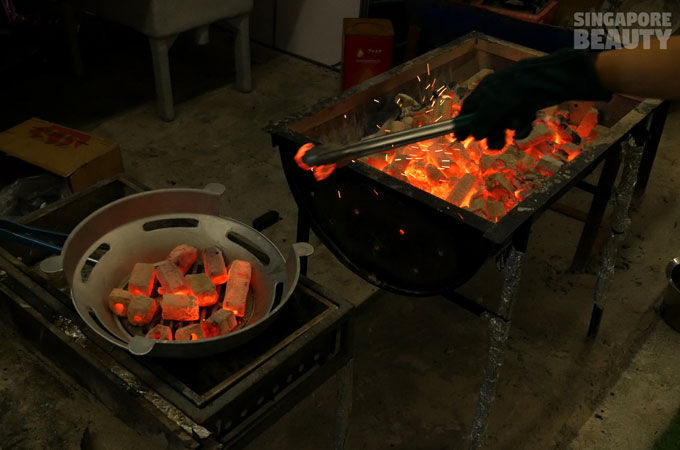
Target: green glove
{"points": [[510, 98]]}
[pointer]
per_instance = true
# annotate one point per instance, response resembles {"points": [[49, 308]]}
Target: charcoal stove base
{"points": [[216, 402], [403, 239], [510, 263]]}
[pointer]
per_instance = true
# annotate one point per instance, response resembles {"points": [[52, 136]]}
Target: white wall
{"points": [[309, 28]]}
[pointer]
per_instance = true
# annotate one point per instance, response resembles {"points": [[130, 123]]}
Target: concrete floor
{"points": [[419, 361]]}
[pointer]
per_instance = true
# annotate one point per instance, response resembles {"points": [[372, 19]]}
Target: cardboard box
{"points": [[82, 158], [367, 49]]}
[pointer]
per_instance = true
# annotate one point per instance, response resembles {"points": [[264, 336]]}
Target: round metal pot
{"points": [[102, 250]]}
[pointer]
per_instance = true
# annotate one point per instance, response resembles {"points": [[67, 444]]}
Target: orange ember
{"points": [[470, 175], [142, 279], [486, 181], [467, 173], [320, 172]]}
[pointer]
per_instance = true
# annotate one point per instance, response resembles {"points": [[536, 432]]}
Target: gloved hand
{"points": [[510, 98]]}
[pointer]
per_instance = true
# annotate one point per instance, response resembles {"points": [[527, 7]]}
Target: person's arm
{"points": [[510, 98], [652, 72]]}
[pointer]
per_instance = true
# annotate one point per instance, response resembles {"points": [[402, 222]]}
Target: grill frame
{"points": [[313, 124]]}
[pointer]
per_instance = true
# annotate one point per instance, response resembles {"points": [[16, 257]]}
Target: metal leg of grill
{"points": [[651, 146], [621, 199], [598, 206], [499, 330], [345, 377]]}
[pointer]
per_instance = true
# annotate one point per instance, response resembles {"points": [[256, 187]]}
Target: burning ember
{"points": [[467, 173], [185, 298]]}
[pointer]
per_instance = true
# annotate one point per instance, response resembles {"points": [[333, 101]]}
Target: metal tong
{"points": [[332, 153], [52, 241]]}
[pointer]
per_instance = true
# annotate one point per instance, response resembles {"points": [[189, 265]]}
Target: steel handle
{"points": [[332, 153], [33, 237]]}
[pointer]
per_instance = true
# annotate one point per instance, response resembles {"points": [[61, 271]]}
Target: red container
{"points": [[367, 49]]}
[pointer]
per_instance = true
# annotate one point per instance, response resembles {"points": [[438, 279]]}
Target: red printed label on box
{"points": [[365, 57]]}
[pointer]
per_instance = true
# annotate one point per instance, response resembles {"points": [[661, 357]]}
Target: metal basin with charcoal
{"points": [[102, 250]]}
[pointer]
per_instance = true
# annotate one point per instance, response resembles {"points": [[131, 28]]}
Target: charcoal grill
{"points": [[393, 234], [403, 239]]}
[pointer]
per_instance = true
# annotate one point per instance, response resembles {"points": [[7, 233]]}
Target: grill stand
{"points": [[603, 191], [632, 155], [593, 219], [499, 322], [656, 126], [499, 330]]}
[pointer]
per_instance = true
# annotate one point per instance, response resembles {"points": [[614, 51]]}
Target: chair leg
{"points": [[161, 71], [241, 26], [71, 25]]}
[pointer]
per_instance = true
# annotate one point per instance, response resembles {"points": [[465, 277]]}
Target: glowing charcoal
{"points": [[545, 148], [567, 134], [160, 332], [521, 194], [119, 299], [572, 149], [189, 333], [443, 109], [213, 261], [474, 80], [540, 133], [202, 288], [505, 161], [142, 279], [141, 310], [221, 322], [598, 131], [468, 173], [495, 209], [236, 292], [179, 307], [477, 205], [588, 123], [434, 174], [549, 164], [183, 256], [398, 164], [462, 189], [171, 279], [498, 181]]}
